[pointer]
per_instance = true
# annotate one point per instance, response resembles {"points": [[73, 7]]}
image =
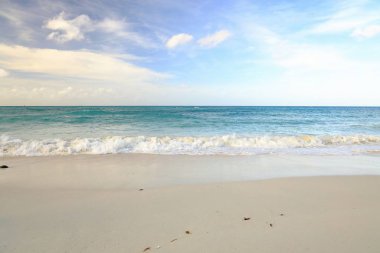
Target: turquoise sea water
{"points": [[189, 130]]}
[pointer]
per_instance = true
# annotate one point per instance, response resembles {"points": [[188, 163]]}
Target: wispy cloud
{"points": [[178, 40], [354, 18], [18, 19], [366, 32], [291, 54], [309, 69], [122, 29], [113, 26], [214, 39]]}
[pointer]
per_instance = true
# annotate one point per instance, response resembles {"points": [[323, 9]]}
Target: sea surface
{"points": [[203, 130]]}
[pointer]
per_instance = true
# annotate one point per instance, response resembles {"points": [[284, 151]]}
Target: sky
{"points": [[199, 52]]}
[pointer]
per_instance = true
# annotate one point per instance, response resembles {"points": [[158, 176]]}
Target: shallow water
{"points": [[189, 130]]}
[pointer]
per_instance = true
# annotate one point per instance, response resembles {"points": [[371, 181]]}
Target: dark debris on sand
{"points": [[4, 167]]}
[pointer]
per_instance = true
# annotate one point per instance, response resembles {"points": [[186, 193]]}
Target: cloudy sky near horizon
{"points": [[169, 52]]}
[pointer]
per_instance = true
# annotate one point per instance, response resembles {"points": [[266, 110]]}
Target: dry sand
{"points": [[81, 204]]}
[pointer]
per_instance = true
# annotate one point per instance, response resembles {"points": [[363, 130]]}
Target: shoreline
{"points": [[153, 170]]}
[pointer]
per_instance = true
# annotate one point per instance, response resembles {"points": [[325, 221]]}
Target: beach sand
{"points": [[137, 203]]}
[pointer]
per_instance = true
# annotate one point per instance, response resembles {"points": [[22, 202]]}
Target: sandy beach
{"points": [[189, 126], [57, 204]]}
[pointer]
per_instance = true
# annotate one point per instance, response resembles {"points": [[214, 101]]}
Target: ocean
{"points": [[193, 130]]}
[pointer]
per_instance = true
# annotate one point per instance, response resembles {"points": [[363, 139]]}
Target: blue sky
{"points": [[168, 52]]}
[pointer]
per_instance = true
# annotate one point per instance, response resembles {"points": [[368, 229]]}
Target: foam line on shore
{"points": [[226, 144]]}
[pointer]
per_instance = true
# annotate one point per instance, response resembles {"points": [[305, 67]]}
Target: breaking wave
{"points": [[227, 144]]}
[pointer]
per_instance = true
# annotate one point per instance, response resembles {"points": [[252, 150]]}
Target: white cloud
{"points": [[45, 92], [178, 40], [64, 77], [207, 42], [214, 39], [3, 73], [366, 32], [74, 64], [65, 91], [68, 29], [65, 30]]}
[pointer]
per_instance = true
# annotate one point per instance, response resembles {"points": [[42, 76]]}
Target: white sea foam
{"points": [[228, 144]]}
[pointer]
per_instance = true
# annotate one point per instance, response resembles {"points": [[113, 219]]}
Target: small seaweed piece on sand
{"points": [[141, 189], [4, 167], [246, 218], [146, 249], [270, 224], [175, 239], [187, 232]]}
